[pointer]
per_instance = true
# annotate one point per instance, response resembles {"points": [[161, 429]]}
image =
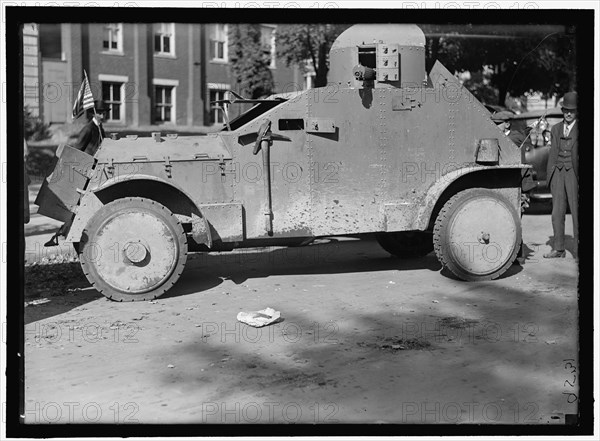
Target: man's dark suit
{"points": [[90, 137], [563, 176]]}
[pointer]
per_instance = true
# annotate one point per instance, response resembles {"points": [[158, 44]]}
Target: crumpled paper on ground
{"points": [[261, 318]]}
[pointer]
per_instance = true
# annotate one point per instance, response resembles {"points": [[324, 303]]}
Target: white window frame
{"points": [[309, 75], [215, 38], [218, 111], [162, 82], [163, 29], [123, 80], [111, 28], [273, 29]]}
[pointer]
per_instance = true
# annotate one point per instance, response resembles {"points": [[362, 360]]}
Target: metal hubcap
{"points": [[482, 235], [135, 251], [129, 263]]}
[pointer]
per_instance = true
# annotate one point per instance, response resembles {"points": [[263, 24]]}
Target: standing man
{"points": [[503, 121], [563, 174], [88, 141], [92, 134]]}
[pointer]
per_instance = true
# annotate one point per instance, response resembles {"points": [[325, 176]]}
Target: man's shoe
{"points": [[555, 253], [53, 241]]}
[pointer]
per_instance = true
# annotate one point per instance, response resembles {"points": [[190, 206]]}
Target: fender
{"points": [[90, 204], [421, 220], [136, 177]]}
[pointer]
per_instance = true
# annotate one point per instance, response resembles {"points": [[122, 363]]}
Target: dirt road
{"points": [[365, 338]]}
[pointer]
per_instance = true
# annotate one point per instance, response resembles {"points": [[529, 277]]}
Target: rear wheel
{"points": [[406, 244], [133, 249], [477, 234]]}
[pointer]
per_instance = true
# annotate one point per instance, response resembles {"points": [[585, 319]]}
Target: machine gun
{"points": [[238, 99]]}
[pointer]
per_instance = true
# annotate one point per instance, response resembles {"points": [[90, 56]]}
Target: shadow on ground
{"points": [[208, 270], [570, 244], [333, 256], [499, 352]]}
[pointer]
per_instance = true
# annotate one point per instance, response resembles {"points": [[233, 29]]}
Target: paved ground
{"points": [[365, 338]]}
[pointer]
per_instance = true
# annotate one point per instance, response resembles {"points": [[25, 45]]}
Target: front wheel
{"points": [[133, 249], [477, 234]]}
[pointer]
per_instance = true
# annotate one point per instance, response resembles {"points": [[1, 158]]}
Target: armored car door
{"points": [[347, 145]]}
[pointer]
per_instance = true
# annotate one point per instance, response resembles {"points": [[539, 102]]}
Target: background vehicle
{"points": [[386, 148], [537, 125]]}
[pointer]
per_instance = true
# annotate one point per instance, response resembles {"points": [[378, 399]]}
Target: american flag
{"points": [[85, 99]]}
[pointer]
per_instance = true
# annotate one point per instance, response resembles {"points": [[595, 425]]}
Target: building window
{"points": [[164, 39], [50, 38], [216, 110], [113, 95], [165, 93], [163, 108], [113, 37], [218, 43], [267, 36]]}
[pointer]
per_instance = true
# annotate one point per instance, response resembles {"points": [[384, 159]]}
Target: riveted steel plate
{"points": [[399, 217], [320, 125], [225, 221], [58, 195]]}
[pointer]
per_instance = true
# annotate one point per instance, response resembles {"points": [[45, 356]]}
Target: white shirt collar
{"points": [[568, 127]]}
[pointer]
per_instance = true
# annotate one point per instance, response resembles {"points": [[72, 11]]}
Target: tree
{"points": [[250, 60], [298, 43], [521, 59], [34, 127], [479, 85]]}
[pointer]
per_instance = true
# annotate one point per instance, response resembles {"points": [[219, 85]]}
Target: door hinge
{"points": [[168, 166]]}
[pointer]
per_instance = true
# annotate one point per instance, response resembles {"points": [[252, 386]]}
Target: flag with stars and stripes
{"points": [[85, 99]]}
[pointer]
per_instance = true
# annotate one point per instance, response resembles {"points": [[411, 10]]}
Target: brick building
{"points": [[158, 75]]}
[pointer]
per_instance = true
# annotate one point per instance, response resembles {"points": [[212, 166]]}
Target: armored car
{"points": [[386, 149]]}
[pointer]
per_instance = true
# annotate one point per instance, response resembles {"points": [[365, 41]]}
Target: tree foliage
{"points": [[35, 128], [250, 60], [527, 59], [297, 44], [479, 85], [512, 60]]}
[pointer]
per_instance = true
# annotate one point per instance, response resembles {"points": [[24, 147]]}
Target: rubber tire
{"points": [[406, 244], [106, 212], [444, 220]]}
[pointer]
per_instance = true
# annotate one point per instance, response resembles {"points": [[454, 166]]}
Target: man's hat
{"points": [[99, 105], [502, 116], [569, 101]]}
